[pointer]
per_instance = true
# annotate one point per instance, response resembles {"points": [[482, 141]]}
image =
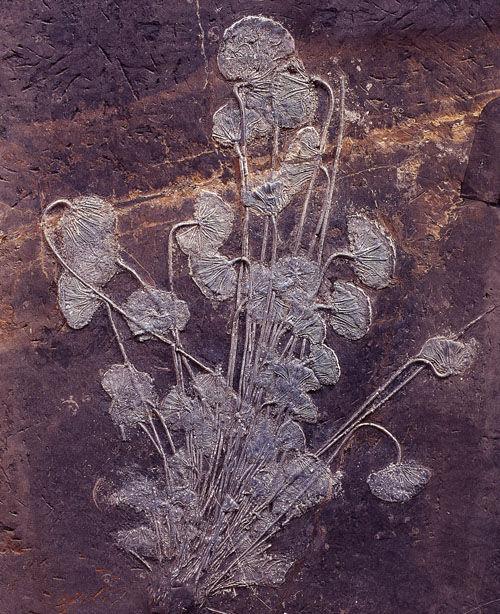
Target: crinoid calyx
{"points": [[324, 363], [269, 197], [398, 482], [301, 159], [86, 230], [226, 129], [232, 463], [155, 312], [254, 47], [77, 302], [132, 393], [293, 96], [448, 356], [372, 251], [350, 310], [215, 275], [213, 221]]}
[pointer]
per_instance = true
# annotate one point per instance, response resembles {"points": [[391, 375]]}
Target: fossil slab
{"points": [[203, 363]]}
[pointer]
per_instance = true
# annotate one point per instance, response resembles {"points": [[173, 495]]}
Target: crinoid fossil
{"points": [[234, 465]]}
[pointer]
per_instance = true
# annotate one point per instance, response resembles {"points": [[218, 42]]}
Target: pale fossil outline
{"points": [[234, 459]]}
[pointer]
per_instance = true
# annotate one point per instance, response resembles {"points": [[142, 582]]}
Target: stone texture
{"points": [[116, 99]]}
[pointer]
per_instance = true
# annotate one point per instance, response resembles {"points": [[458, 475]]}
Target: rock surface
{"points": [[116, 99]]}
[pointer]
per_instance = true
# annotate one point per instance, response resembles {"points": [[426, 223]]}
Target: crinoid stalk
{"points": [[234, 465]]}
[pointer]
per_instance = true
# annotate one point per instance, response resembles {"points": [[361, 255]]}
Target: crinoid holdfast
{"points": [[234, 465]]}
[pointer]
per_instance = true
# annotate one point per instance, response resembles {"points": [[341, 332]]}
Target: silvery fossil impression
{"points": [[233, 463]]}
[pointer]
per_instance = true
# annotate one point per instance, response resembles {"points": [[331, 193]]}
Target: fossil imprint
{"points": [[234, 466]]}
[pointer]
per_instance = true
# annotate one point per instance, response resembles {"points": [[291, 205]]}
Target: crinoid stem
{"points": [[303, 349], [249, 341], [374, 401], [159, 448], [208, 489], [241, 148], [276, 334], [212, 466], [109, 301], [232, 352], [319, 224], [120, 262], [265, 329], [187, 365], [289, 346], [329, 197], [141, 560], [240, 304], [177, 360], [170, 248], [265, 235], [241, 259], [118, 336], [331, 258], [322, 146], [374, 425], [195, 465], [248, 349], [473, 322], [159, 541], [177, 368], [165, 428], [216, 611], [243, 166], [276, 145], [331, 105]]}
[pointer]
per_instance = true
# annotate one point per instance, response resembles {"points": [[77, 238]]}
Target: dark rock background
{"points": [[115, 98]]}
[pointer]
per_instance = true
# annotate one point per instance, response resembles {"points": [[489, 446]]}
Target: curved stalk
{"points": [[319, 224], [265, 327], [265, 235], [378, 398], [375, 426], [159, 448], [331, 99], [233, 348], [371, 404], [331, 258], [324, 137], [329, 197], [120, 262], [165, 428], [276, 144], [118, 336], [170, 249], [241, 150]]}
